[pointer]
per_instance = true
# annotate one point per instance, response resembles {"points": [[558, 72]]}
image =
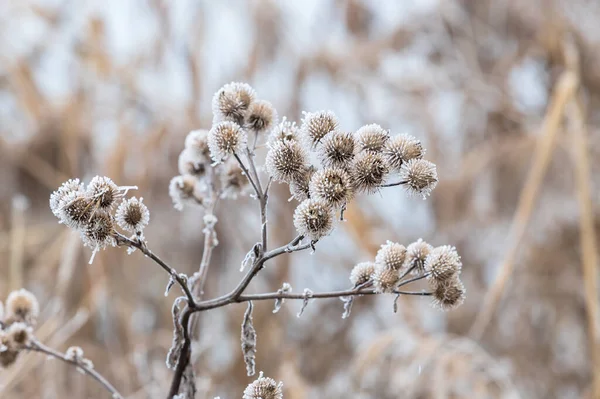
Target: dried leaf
{"points": [[249, 341], [307, 295], [279, 301]]}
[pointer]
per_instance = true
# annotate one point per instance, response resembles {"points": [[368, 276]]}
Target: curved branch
{"points": [[37, 346], [172, 272]]}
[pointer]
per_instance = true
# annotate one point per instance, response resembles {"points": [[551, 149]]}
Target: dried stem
{"points": [[544, 149], [587, 233], [123, 240], [248, 175], [398, 183], [37, 346]]}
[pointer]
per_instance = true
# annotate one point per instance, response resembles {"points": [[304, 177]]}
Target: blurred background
{"points": [[502, 93]]}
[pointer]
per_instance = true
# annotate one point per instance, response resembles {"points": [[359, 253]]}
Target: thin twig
{"points": [[37, 346], [398, 183], [172, 272], [247, 173]]}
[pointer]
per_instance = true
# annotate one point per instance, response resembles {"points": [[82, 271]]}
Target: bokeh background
{"points": [[504, 95]]}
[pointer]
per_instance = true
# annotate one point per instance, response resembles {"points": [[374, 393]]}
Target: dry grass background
{"points": [[505, 95]]}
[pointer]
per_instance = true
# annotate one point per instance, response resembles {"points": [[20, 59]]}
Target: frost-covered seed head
{"points": [[332, 186], [371, 138], [232, 101], [197, 141], [76, 210], [192, 163], [443, 263], [391, 255], [316, 125], [132, 215], [384, 279], [285, 131], [224, 139], [313, 218], [22, 305], [369, 171], [103, 192], [72, 187], [261, 116], [233, 180], [264, 388], [286, 160], [184, 191], [361, 273], [416, 254], [74, 354], [18, 335], [420, 176], [99, 233], [449, 295], [9, 356], [337, 149], [300, 185], [402, 148]]}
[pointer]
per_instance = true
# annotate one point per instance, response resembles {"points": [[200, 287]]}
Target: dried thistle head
{"points": [[264, 388], [103, 192], [18, 335], [402, 148], [332, 186], [285, 131], [232, 101], [197, 141], [99, 232], [132, 215], [391, 255], [337, 150], [316, 125], [442, 264], [75, 210], [449, 295], [369, 171], [234, 181], [22, 306], [416, 254], [185, 190], [7, 356], [361, 273], [420, 176], [261, 116], [371, 138], [313, 218], [190, 162], [70, 188], [226, 138], [300, 185], [384, 278], [286, 160]]}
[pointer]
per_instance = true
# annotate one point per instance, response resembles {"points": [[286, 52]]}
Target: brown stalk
{"points": [[562, 94]]}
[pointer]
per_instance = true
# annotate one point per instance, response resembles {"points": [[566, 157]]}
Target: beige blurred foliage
{"points": [[504, 94]]}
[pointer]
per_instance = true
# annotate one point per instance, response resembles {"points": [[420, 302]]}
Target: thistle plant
{"points": [[324, 168]]}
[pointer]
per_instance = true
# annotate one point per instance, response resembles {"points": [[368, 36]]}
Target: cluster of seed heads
{"points": [[16, 324], [325, 167], [91, 211], [207, 163], [441, 266]]}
